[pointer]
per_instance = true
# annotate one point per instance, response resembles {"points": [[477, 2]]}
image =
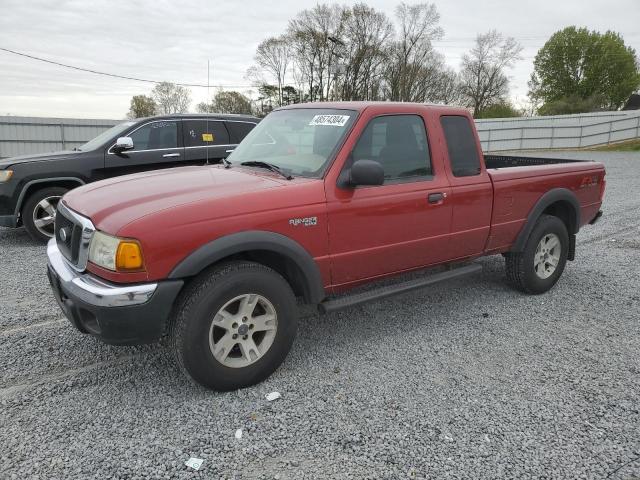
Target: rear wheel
{"points": [[234, 326], [39, 212], [538, 267]]}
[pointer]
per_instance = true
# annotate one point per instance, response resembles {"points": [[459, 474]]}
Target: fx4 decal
{"points": [[305, 222]]}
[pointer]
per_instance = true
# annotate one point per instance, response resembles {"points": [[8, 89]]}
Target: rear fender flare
{"points": [[548, 199]]}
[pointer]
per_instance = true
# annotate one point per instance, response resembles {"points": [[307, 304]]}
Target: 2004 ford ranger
{"points": [[316, 200]]}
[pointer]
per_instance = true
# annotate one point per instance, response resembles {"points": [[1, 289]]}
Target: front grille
{"points": [[66, 245], [73, 236]]}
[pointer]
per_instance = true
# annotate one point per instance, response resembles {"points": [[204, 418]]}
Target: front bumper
{"points": [[117, 314]]}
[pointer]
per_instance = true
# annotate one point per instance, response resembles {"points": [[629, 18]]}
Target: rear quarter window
{"points": [[461, 145], [239, 130]]}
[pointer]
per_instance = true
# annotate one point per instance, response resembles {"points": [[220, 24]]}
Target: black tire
{"points": [[204, 297], [32, 204], [520, 267]]}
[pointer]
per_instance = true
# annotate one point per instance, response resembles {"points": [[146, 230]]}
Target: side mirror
{"points": [[123, 143], [366, 172]]}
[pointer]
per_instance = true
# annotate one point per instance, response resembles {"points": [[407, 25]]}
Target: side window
{"points": [[156, 135], [461, 144], [200, 133], [239, 130], [399, 144]]}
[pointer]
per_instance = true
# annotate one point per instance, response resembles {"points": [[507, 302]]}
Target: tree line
{"points": [[333, 52]]}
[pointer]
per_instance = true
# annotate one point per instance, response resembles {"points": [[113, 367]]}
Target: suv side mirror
{"points": [[123, 143], [366, 172]]}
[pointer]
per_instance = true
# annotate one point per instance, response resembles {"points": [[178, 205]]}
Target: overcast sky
{"points": [[169, 40]]}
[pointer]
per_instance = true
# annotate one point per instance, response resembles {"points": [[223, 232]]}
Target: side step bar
{"points": [[347, 301]]}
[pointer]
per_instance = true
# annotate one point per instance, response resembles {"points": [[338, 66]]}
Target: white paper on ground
{"points": [[194, 463], [239, 433], [272, 396]]}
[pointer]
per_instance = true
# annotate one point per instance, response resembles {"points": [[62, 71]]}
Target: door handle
{"points": [[435, 198], [230, 150], [167, 155]]}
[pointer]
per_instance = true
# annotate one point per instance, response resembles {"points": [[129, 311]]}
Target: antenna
{"points": [[208, 103]]}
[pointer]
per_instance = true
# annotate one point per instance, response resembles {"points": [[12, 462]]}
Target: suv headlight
{"points": [[116, 254], [5, 175]]}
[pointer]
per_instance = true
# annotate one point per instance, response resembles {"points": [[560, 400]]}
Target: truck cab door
{"points": [[156, 144], [205, 141], [471, 188], [400, 225]]}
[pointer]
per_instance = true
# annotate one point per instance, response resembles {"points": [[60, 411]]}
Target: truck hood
{"points": [[40, 157], [112, 204]]}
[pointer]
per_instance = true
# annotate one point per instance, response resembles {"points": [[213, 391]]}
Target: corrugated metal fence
{"points": [[557, 132], [28, 135]]}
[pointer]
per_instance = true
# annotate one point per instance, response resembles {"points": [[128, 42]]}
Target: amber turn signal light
{"points": [[129, 256]]}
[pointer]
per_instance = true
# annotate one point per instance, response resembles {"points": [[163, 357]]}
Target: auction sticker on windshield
{"points": [[330, 120]]}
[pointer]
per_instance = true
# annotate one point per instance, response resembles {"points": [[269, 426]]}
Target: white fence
{"points": [[28, 135], [557, 132]]}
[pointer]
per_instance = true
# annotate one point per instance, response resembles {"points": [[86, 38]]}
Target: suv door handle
{"points": [[435, 198], [167, 155]]}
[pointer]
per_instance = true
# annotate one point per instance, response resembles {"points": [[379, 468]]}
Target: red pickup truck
{"points": [[317, 199]]}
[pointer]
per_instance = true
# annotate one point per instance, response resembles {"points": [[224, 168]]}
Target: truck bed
{"points": [[512, 161]]}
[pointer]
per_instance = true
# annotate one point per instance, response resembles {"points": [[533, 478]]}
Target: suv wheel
{"points": [[538, 267], [39, 213], [234, 326]]}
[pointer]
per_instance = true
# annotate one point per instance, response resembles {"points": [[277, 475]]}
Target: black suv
{"points": [[32, 185]]}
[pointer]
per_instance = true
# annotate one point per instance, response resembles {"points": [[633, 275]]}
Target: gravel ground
{"points": [[468, 379]]}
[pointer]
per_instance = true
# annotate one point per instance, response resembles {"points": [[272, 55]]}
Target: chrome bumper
{"points": [[92, 290]]}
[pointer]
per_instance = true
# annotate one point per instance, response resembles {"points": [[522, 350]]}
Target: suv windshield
{"points": [[300, 141], [104, 136]]}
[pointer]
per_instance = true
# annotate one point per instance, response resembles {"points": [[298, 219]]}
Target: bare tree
{"points": [[412, 59], [313, 34], [483, 77], [171, 98], [363, 56], [446, 88], [273, 55]]}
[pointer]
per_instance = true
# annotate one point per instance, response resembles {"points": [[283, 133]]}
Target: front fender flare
{"points": [[255, 240]]}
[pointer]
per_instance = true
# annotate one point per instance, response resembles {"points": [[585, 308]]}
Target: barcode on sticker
{"points": [[329, 120]]}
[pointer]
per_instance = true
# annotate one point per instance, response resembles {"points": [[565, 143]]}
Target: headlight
{"points": [[5, 175], [116, 254]]}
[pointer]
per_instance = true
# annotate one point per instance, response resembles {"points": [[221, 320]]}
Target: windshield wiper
{"points": [[269, 166], [227, 163]]}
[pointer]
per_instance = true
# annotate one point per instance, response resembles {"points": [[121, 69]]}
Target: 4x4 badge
{"points": [[305, 222]]}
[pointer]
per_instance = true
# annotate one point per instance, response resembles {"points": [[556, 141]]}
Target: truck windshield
{"points": [[104, 136], [299, 141]]}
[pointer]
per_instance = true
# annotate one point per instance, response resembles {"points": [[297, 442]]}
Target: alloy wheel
{"points": [[547, 255], [243, 330]]}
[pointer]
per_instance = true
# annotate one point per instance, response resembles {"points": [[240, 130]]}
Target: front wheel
{"points": [[538, 267], [39, 213], [234, 326]]}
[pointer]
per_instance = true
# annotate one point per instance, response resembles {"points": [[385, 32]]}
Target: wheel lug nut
{"points": [[234, 336], [245, 337], [251, 326], [244, 319], [235, 325]]}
